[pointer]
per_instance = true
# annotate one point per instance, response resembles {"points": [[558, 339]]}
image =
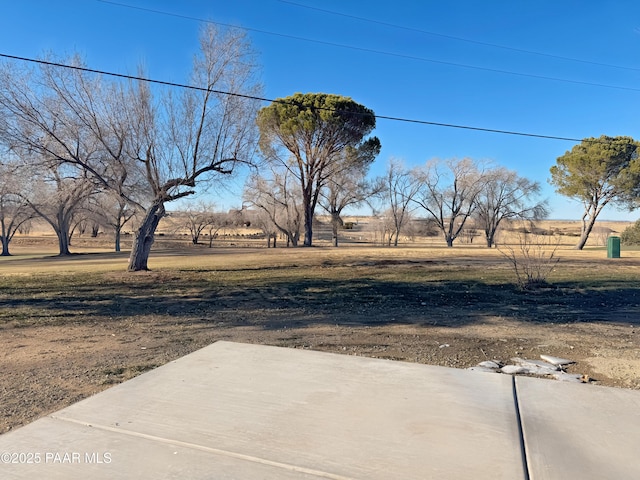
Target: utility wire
{"points": [[460, 39], [370, 50], [279, 100], [132, 77]]}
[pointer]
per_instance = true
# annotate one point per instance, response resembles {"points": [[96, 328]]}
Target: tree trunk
{"points": [[587, 226], [117, 239], [144, 237], [308, 226], [449, 240], [5, 246], [489, 237], [63, 232], [64, 241], [5, 239], [490, 230], [336, 223], [585, 234], [308, 206]]}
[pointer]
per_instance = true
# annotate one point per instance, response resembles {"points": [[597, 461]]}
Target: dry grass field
{"points": [[72, 326]]}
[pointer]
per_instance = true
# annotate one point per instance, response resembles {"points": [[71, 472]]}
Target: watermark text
{"points": [[55, 458]]}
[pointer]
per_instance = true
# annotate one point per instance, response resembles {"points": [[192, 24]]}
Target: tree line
{"points": [[77, 145], [74, 138]]}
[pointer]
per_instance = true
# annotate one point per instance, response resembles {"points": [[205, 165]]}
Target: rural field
{"points": [[73, 326]]}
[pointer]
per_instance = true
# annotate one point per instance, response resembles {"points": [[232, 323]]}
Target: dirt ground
{"points": [[349, 303]]}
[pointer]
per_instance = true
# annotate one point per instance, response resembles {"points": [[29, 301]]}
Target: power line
{"points": [[460, 39], [480, 129], [132, 77], [370, 50], [270, 100]]}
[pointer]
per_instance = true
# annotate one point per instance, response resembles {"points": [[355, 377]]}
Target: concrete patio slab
{"points": [[74, 451], [236, 411], [574, 431]]}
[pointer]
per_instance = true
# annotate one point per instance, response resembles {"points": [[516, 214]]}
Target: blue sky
{"points": [[428, 60]]}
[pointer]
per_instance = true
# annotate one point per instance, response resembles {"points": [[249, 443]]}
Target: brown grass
{"points": [[75, 325]]}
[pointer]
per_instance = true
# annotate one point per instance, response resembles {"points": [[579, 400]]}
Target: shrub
{"points": [[631, 234], [533, 259]]}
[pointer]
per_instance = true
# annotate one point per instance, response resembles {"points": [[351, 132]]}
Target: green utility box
{"points": [[613, 247]]}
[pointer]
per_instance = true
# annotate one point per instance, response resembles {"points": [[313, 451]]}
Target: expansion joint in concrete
{"points": [[523, 447]]}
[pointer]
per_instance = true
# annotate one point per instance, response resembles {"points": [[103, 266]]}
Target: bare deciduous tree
{"points": [[14, 210], [219, 221], [111, 211], [64, 124], [349, 186], [57, 195], [278, 198], [398, 189], [117, 134], [385, 227], [196, 218], [197, 135], [261, 219], [505, 195], [448, 192]]}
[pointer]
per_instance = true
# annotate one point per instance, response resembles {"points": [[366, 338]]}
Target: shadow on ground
{"points": [[358, 301]]}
